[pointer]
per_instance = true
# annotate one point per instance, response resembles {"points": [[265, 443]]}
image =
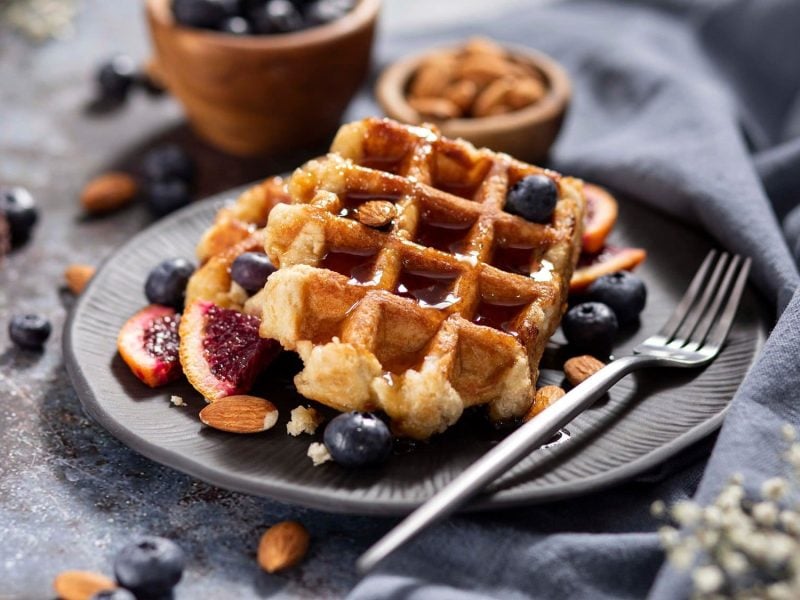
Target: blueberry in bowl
{"points": [[591, 327]]}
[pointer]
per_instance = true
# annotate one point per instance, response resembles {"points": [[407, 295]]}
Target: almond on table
{"points": [[108, 192], [283, 546], [77, 276], [81, 585]]}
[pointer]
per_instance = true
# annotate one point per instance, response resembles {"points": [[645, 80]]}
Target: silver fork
{"points": [[692, 337]]}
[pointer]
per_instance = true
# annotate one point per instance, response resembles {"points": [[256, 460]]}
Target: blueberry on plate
{"points": [[166, 283], [623, 292], [251, 269], [276, 16], [236, 26], [357, 439], [533, 198], [591, 327], [19, 208], [167, 162], [115, 78], [164, 197], [117, 594], [29, 331], [203, 14], [150, 566]]}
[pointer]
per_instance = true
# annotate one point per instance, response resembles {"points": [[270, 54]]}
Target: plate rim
{"points": [[324, 499]]}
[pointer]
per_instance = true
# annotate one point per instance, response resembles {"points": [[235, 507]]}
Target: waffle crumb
{"points": [[303, 420], [318, 454], [177, 401]]}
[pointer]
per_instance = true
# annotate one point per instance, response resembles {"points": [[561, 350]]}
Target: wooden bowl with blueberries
{"points": [[507, 98], [263, 76]]}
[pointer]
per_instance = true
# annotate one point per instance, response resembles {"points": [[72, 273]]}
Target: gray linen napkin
{"points": [[692, 107]]}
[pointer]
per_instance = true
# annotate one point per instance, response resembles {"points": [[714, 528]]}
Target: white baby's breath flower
{"points": [[780, 591], [687, 513], [731, 496], [780, 548], [712, 516], [734, 563], [765, 513], [793, 455], [788, 432], [707, 579], [755, 545], [790, 521], [736, 478], [669, 536], [708, 538], [681, 557], [774, 488], [658, 508]]}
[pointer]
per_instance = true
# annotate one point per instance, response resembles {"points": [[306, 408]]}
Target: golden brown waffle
{"points": [[449, 306], [237, 228]]}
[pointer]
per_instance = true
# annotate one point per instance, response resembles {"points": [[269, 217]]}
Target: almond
{"points": [[462, 94], [77, 276], [485, 68], [580, 368], [240, 414], [525, 92], [81, 585], [433, 76], [108, 192], [435, 108], [282, 546], [492, 98], [376, 213], [545, 397], [482, 45]]}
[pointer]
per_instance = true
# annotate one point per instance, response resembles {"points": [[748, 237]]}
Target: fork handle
{"points": [[501, 458]]}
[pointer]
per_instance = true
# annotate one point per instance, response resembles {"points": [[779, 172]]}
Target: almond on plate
{"points": [[240, 414], [282, 546], [580, 368], [376, 213], [545, 397]]}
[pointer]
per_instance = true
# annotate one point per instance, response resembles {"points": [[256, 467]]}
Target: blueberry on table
{"points": [[116, 77], [164, 197], [19, 209], [168, 162], [533, 198], [117, 594], [357, 439], [591, 327], [150, 566], [623, 292], [251, 269], [236, 26], [276, 16], [166, 283], [203, 14], [29, 331]]}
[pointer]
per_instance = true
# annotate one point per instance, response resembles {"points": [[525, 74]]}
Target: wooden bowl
{"points": [[526, 134], [264, 93]]}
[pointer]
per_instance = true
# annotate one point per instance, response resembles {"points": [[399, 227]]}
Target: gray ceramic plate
{"points": [[646, 418]]}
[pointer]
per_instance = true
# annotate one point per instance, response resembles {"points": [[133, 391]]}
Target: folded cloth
{"points": [[692, 107]]}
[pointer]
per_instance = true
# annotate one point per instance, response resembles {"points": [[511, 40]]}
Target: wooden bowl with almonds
{"points": [[508, 98]]}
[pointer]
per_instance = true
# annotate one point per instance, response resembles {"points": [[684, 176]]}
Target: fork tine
{"points": [[696, 312], [718, 335], [700, 332], [678, 315]]}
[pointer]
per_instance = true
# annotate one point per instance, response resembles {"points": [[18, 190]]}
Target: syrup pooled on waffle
{"points": [[447, 306]]}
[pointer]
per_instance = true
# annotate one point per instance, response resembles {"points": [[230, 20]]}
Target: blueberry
{"points": [[29, 331], [19, 208], [236, 26], [115, 78], [358, 439], [166, 283], [591, 327], [150, 566], [168, 161], [325, 11], [623, 292], [117, 594], [204, 14], [276, 16], [533, 198], [251, 269], [164, 197]]}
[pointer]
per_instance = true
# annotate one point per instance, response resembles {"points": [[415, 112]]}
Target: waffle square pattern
{"points": [[446, 303]]}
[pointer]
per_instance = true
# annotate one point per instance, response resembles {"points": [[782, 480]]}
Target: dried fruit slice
{"points": [[221, 351], [148, 343], [609, 260], [599, 219]]}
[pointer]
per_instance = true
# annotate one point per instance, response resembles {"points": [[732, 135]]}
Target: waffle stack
{"points": [[446, 303]]}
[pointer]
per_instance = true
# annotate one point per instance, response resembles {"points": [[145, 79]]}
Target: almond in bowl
{"points": [[510, 99]]}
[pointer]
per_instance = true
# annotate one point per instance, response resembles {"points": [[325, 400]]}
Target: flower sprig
{"points": [[740, 547]]}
